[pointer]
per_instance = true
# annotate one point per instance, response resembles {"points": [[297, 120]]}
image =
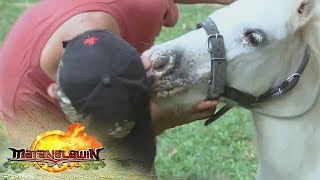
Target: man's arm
{"points": [[204, 1]]}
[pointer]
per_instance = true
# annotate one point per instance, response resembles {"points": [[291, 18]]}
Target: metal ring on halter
{"points": [[293, 75]]}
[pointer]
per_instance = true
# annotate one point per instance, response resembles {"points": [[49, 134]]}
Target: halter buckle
{"points": [[288, 81], [290, 78], [216, 36]]}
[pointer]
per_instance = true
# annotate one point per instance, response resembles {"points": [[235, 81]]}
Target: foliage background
{"points": [[223, 151]]}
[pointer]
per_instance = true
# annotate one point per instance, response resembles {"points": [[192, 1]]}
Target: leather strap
{"points": [[291, 81], [216, 49], [217, 115], [217, 88], [246, 99]]}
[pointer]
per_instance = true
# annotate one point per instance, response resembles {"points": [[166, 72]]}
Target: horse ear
{"points": [[305, 7], [304, 12]]}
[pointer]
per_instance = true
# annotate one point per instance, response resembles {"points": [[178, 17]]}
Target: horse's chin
{"points": [[169, 98], [178, 95], [164, 94], [167, 85], [163, 90]]}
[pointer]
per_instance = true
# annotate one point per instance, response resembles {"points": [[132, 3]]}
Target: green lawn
{"points": [[224, 150]]}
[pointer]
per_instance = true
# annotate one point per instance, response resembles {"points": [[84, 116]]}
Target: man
{"points": [[32, 50]]}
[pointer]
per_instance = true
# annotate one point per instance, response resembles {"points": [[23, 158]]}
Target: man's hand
{"points": [[147, 64], [164, 118]]}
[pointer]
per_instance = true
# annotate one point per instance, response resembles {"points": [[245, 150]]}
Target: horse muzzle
{"points": [[166, 77]]}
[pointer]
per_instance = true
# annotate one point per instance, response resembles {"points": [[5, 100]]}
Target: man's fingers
{"points": [[205, 105], [199, 116], [204, 115], [147, 64]]}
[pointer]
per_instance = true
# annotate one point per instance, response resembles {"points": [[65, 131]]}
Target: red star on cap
{"points": [[90, 40]]}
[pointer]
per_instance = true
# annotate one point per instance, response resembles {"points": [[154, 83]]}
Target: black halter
{"points": [[217, 87]]}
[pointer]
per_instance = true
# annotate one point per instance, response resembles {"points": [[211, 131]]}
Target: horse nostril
{"points": [[163, 62], [160, 63]]}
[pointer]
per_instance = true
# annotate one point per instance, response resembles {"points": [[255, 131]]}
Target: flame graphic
{"points": [[74, 139]]}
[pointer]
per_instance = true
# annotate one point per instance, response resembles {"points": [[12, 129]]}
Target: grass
{"points": [[222, 151], [9, 11]]}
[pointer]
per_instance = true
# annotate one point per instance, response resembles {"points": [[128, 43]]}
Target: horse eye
{"points": [[255, 36]]}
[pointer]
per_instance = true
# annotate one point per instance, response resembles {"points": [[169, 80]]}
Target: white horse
{"points": [[265, 42]]}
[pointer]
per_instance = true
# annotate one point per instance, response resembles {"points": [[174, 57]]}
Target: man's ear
{"points": [[304, 11], [52, 90]]}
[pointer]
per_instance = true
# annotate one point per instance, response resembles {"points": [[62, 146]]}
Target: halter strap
{"points": [[215, 44], [217, 87], [216, 84]]}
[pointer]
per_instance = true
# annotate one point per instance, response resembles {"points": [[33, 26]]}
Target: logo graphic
{"points": [[56, 151], [90, 40]]}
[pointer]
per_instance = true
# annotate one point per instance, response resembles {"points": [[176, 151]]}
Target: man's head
{"points": [[101, 79]]}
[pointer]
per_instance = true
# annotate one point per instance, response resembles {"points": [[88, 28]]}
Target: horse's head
{"points": [[264, 43]]}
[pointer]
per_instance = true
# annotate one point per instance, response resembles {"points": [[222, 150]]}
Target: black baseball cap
{"points": [[102, 75]]}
